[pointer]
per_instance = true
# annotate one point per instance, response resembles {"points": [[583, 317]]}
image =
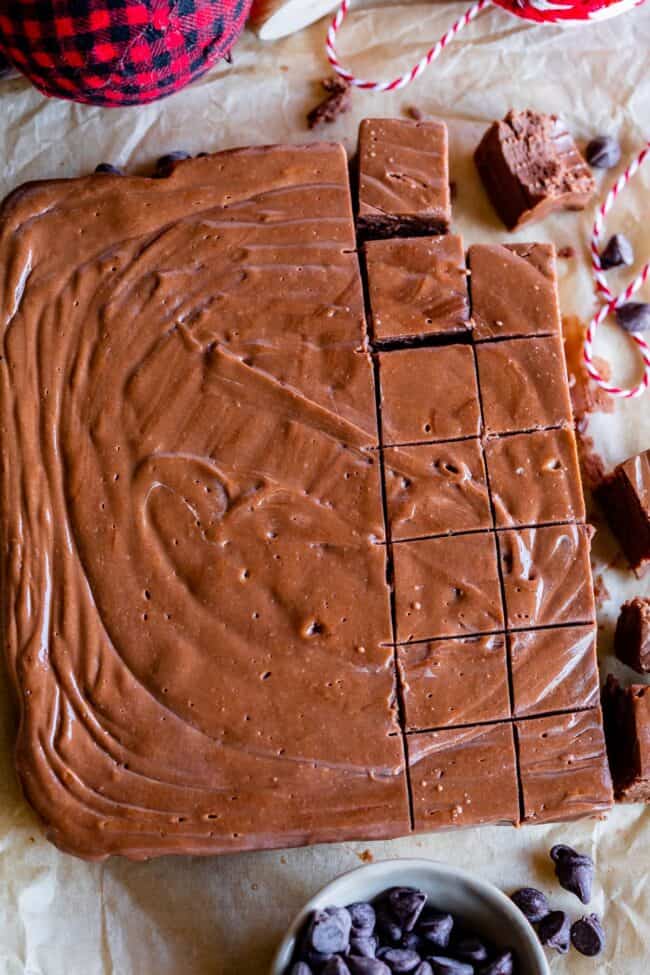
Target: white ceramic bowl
{"points": [[481, 904]]}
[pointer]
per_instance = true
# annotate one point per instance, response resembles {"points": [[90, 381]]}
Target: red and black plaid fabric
{"points": [[117, 52]]}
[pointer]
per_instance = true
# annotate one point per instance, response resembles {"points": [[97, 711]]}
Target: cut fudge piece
{"points": [[464, 777], [547, 575], [530, 166], [524, 384], [563, 767], [447, 586], [624, 496], [627, 730], [514, 290], [554, 670], [196, 422], [455, 682], [632, 638], [403, 178], [535, 478], [417, 287], [428, 394], [434, 489]]}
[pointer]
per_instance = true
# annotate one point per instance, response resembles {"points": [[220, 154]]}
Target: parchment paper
{"points": [[60, 916]]}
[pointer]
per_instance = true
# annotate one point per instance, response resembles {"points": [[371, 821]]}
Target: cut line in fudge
{"points": [[176, 573]]}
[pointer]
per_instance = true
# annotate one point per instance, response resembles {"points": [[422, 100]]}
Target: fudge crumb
{"points": [[336, 102], [366, 856], [601, 592], [414, 112], [567, 252], [592, 464], [586, 396]]}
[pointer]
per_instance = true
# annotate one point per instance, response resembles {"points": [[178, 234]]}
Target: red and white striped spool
{"points": [[610, 301]]}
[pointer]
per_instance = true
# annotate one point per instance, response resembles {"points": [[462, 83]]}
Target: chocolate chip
{"points": [[336, 966], [166, 163], [532, 903], [405, 904], [575, 871], [366, 947], [634, 316], [449, 966], [367, 966], [329, 930], [363, 918], [603, 152], [301, 968], [436, 928], [108, 169], [388, 929], [424, 968], [411, 940], [503, 964], [400, 960], [587, 935], [617, 252], [553, 931], [470, 949]]}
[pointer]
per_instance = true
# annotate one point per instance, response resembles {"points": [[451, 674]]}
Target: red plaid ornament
{"points": [[117, 52]]}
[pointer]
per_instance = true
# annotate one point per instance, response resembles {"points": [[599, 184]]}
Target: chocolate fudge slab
{"points": [[428, 394], [554, 670], [535, 478], [627, 730], [524, 384], [447, 586], [193, 598], [417, 287], [403, 178], [530, 166], [547, 576], [624, 496], [455, 682], [632, 637], [514, 290], [563, 767], [435, 489], [464, 777]]}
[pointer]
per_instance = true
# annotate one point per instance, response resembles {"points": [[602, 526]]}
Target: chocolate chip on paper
{"points": [[554, 931], [617, 252], [532, 903], [574, 870], [603, 152], [634, 316], [588, 936]]}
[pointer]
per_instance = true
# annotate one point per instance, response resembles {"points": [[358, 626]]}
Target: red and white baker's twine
{"points": [[610, 301]]}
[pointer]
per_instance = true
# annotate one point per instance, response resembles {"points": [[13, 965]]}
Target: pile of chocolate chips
{"points": [[575, 871], [397, 934]]}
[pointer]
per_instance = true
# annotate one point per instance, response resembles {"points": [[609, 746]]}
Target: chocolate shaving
{"points": [[336, 103]]}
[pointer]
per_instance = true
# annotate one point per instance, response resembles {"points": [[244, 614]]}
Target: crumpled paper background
{"points": [[221, 916]]}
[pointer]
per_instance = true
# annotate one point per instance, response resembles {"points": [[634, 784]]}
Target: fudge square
{"points": [[632, 637], [428, 394], [403, 178], [624, 496], [535, 478], [563, 767], [554, 669], [455, 682], [436, 489], [514, 290], [464, 777], [530, 166], [417, 287], [524, 384], [627, 729], [547, 575], [446, 586], [199, 424]]}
